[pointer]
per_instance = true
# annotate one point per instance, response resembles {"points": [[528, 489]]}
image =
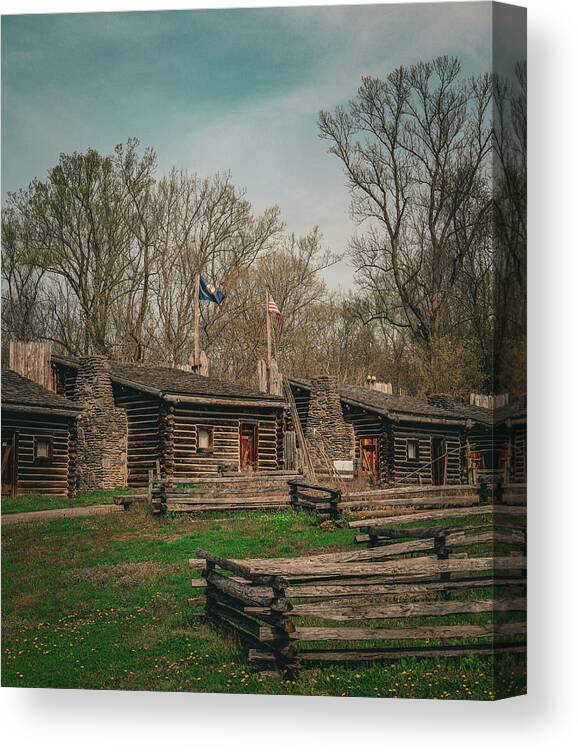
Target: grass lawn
{"points": [[101, 603], [38, 502]]}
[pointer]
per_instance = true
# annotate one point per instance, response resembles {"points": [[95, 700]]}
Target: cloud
{"points": [[253, 112]]}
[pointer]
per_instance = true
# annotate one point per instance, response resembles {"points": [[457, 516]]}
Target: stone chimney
{"points": [[328, 434], [102, 428], [441, 400]]}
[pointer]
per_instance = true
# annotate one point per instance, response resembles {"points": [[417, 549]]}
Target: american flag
{"points": [[273, 310]]}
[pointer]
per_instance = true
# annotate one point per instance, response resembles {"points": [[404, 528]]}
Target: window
{"points": [[204, 439], [412, 449], [43, 448]]}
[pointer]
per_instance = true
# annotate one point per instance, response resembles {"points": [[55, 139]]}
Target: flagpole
{"points": [[269, 353], [197, 323]]}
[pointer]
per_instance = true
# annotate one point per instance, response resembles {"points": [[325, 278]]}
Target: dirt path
{"points": [[49, 514]]}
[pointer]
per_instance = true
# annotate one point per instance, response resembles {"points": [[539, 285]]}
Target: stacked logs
{"points": [[321, 501], [265, 491], [494, 511], [369, 505], [250, 604]]}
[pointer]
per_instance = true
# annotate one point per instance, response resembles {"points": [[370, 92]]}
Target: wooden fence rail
{"points": [[414, 601], [260, 491], [334, 503]]}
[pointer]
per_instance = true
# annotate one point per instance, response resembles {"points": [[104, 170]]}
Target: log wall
{"points": [[394, 467], [302, 398], [413, 471], [143, 412], [225, 423], [43, 476], [519, 458]]}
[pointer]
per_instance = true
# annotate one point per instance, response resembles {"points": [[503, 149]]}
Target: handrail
{"points": [[310, 468]]}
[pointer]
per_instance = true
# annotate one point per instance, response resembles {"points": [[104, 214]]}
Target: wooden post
{"points": [[208, 568], [483, 491], [286, 660], [294, 495], [33, 361], [197, 323], [442, 553], [163, 498], [269, 345], [334, 505]]}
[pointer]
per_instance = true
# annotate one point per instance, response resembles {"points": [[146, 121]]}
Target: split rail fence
{"points": [[368, 605], [332, 503], [265, 491]]}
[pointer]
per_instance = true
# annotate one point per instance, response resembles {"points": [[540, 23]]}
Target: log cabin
{"points": [[38, 439], [396, 439], [144, 417], [496, 441]]}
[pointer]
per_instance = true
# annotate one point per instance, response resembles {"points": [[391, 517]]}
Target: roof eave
{"points": [[215, 400], [372, 408], [18, 407], [397, 415], [136, 385], [437, 419]]}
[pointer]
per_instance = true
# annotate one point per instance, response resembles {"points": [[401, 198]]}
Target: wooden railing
{"points": [[436, 516]]}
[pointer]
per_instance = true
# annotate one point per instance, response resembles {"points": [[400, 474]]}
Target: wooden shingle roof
{"points": [[167, 382], [397, 404], [176, 382], [393, 405], [20, 393]]}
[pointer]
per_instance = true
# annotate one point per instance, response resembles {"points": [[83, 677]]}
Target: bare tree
{"points": [[81, 229], [203, 225], [291, 272], [22, 281], [414, 145], [510, 235]]}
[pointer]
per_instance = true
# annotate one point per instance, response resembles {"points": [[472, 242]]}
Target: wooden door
{"points": [[9, 482], [368, 458], [438, 456], [248, 447]]}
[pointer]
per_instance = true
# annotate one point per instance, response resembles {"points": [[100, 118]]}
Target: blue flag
{"points": [[208, 292]]}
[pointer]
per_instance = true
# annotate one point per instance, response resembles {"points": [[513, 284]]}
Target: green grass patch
{"points": [[101, 602], [40, 502]]}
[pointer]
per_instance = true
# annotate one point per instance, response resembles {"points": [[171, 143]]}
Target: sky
{"points": [[236, 90]]}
